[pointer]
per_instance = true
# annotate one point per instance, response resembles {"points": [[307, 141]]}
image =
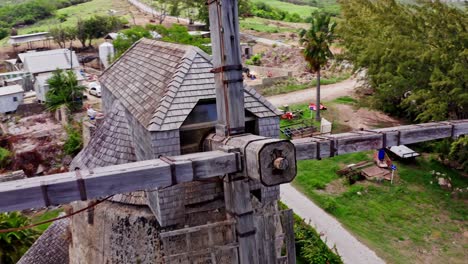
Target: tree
{"points": [[13, 245], [64, 90], [415, 55], [317, 41], [97, 27], [162, 9], [61, 35], [127, 38]]}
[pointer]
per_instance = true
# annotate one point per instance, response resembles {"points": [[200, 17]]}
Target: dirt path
{"points": [[328, 93], [364, 118], [351, 250]]}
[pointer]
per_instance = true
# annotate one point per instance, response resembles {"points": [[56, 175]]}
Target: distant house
{"points": [[48, 61], [10, 98], [41, 86], [42, 64]]}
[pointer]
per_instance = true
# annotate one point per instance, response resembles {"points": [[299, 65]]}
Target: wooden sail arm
{"points": [[146, 175], [67, 187], [329, 146]]}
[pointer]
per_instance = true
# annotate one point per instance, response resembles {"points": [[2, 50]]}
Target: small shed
{"points": [[29, 39], [48, 61], [10, 98]]}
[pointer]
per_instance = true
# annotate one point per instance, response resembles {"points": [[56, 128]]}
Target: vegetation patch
{"points": [[293, 85], [303, 11], [414, 219], [345, 100], [309, 246], [419, 71]]}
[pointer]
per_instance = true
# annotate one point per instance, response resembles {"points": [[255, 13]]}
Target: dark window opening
{"points": [[15, 99], [201, 122]]}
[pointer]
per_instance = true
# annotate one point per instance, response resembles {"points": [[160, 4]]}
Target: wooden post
{"points": [[227, 63]]}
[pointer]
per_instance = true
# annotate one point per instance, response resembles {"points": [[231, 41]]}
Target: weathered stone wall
{"points": [[114, 233], [88, 131]]}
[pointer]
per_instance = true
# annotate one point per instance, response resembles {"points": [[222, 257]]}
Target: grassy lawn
{"points": [[292, 85], [303, 11], [308, 118], [81, 11], [345, 100], [44, 216], [413, 221], [263, 25]]}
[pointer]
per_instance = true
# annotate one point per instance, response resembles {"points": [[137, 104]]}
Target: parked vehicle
{"points": [[94, 88]]}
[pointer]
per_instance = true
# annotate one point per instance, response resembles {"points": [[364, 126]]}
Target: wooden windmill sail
{"points": [[235, 157]]}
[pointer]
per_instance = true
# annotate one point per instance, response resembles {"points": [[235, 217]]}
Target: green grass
{"points": [[308, 119], [292, 85], [303, 11], [400, 221], [345, 100], [44, 216], [81, 11], [263, 25]]}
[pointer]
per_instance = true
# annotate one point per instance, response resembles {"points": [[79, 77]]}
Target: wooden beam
{"points": [[146, 175], [101, 182], [328, 146], [227, 63]]}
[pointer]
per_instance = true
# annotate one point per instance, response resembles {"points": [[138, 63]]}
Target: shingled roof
{"points": [[51, 247], [160, 83], [111, 143]]}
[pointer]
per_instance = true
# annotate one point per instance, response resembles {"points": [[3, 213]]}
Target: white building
{"points": [[10, 98], [42, 64], [48, 61]]}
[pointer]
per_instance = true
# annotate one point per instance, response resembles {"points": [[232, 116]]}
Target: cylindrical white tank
{"points": [[106, 53]]}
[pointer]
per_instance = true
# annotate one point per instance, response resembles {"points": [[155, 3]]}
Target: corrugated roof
{"points": [[48, 61], [14, 89], [29, 38], [160, 83]]}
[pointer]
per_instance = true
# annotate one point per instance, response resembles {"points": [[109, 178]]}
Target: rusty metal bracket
{"points": [[171, 163], [45, 196], [227, 68], [81, 185], [233, 81], [249, 233]]}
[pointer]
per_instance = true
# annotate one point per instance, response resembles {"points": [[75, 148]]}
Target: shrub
{"points": [[459, 153], [3, 33], [329, 204], [309, 246], [74, 142], [5, 158], [255, 60], [13, 245]]}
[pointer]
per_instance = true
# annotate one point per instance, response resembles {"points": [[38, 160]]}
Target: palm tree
{"points": [[64, 89], [317, 41]]}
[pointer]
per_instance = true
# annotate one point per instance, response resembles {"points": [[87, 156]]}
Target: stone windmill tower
{"points": [[160, 100], [202, 207]]}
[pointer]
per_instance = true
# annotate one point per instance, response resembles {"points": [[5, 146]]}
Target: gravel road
{"points": [[328, 93], [350, 249]]}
